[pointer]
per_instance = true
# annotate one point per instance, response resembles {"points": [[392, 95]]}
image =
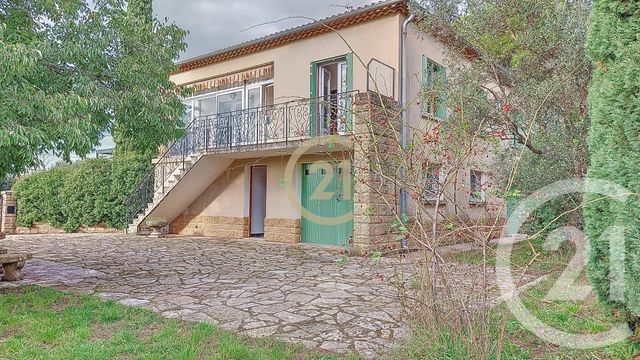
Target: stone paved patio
{"points": [[297, 293]]}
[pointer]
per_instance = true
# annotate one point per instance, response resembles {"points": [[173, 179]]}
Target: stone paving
{"points": [[294, 292], [298, 293]]}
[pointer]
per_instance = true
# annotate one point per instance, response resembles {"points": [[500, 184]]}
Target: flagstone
{"points": [[298, 294]]}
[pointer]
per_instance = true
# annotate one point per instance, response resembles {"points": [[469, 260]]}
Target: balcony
{"points": [[244, 133], [266, 127]]}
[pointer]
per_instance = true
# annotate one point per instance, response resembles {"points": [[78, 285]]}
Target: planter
{"points": [[156, 227]]}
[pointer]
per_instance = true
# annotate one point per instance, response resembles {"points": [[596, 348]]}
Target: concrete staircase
{"points": [[183, 185]]}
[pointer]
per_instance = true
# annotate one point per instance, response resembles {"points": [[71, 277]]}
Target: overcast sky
{"points": [[214, 24]]}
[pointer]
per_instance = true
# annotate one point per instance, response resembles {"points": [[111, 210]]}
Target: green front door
{"points": [[327, 201]]}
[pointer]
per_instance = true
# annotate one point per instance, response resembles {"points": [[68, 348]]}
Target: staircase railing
{"points": [[249, 129]]}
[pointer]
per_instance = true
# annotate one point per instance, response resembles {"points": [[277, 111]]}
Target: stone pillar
{"points": [[8, 222], [376, 199]]}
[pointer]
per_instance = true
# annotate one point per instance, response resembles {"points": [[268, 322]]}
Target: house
{"points": [[260, 110]]}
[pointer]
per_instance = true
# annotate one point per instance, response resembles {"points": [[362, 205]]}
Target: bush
{"points": [[38, 197], [614, 145], [88, 193]]}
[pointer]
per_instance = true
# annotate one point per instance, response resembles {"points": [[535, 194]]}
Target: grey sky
{"points": [[214, 24]]}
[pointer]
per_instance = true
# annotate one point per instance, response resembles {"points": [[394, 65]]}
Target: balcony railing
{"points": [[280, 125]]}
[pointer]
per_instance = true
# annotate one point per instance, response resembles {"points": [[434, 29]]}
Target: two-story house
{"points": [[237, 174]]}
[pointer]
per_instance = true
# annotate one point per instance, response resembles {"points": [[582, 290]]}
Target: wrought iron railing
{"points": [[250, 129]]}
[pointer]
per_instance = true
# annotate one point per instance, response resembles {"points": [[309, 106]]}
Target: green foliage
{"points": [[90, 193], [87, 70], [529, 86], [39, 199], [614, 143], [7, 183]]}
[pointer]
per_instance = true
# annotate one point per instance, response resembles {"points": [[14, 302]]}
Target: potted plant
{"points": [[156, 223]]}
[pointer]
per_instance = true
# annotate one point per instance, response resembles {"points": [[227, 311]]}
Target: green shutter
{"points": [[441, 112], [425, 83], [349, 88], [313, 93], [349, 71]]}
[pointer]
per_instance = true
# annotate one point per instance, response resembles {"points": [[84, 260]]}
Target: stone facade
{"points": [[282, 230], [8, 217], [215, 226], [375, 199]]}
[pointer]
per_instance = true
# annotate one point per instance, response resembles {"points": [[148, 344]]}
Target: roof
{"points": [[335, 22]]}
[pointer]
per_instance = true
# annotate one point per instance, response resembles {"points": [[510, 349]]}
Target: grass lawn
{"points": [[42, 323], [576, 317], [522, 253]]}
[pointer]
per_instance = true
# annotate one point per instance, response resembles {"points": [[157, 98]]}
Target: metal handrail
{"points": [[251, 128]]}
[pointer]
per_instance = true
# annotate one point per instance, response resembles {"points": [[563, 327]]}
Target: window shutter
{"points": [[313, 93], [348, 105], [425, 83], [441, 112]]}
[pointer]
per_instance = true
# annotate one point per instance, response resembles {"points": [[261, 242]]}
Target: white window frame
{"points": [[473, 199], [190, 101], [441, 178]]}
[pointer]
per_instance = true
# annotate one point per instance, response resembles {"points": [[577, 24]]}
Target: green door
{"points": [[327, 202]]}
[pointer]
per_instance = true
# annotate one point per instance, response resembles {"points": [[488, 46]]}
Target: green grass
{"points": [[522, 253], [585, 317], [577, 317], [43, 323]]}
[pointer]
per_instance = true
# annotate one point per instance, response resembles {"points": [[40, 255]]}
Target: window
{"points": [[475, 184], [434, 99], [431, 182], [330, 80], [235, 99]]}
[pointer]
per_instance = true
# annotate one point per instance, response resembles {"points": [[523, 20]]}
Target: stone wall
{"points": [[215, 226], [282, 230], [8, 216], [375, 123], [46, 228]]}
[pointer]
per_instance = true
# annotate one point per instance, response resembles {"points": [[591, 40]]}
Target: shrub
{"points": [[614, 144], [89, 193], [38, 197]]}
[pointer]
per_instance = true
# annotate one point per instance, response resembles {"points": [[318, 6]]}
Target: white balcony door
{"points": [[254, 121], [229, 106], [333, 83]]}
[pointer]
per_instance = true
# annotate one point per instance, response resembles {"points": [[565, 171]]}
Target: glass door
{"points": [[229, 110], [341, 101], [325, 101], [251, 134]]}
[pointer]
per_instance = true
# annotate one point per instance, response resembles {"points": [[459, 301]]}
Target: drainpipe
{"points": [[403, 103]]}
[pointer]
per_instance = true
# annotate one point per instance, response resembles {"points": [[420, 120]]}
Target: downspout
{"points": [[403, 104]]}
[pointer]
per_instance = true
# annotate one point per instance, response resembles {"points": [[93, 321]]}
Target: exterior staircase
{"points": [[180, 188], [193, 162], [160, 193]]}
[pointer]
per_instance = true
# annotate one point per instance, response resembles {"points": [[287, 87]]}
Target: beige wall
{"points": [[420, 44], [228, 195], [378, 39]]}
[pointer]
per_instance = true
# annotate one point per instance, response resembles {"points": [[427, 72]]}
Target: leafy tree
{"points": [[66, 79], [614, 144], [529, 56]]}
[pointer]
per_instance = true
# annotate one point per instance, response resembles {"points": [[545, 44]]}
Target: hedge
{"points": [[89, 193], [614, 145]]}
